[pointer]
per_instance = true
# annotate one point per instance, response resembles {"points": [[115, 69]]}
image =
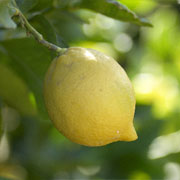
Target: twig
{"points": [[31, 30]]}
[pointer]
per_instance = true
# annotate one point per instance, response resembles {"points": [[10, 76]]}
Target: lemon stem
{"points": [[39, 37]]}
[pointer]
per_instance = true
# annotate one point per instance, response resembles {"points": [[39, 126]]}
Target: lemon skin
{"points": [[89, 98]]}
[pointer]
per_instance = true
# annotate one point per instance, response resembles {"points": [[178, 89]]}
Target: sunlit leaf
{"points": [[6, 12], [109, 8]]}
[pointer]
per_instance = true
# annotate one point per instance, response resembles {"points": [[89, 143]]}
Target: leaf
{"points": [[30, 60], [14, 92], [72, 16], [42, 5], [1, 118], [3, 178], [33, 5], [26, 5], [41, 24], [61, 42], [66, 27], [109, 8], [5, 14]]}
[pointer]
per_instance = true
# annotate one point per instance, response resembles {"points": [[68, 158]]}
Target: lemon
{"points": [[90, 98]]}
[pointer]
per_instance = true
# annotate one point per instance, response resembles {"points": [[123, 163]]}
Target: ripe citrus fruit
{"points": [[89, 98]]}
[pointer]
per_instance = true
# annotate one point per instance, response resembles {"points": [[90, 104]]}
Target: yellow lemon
{"points": [[90, 98]]}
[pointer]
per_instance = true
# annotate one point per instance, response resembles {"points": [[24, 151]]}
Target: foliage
{"points": [[31, 148], [5, 14]]}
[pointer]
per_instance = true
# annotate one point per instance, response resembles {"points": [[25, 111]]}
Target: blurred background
{"points": [[32, 149]]}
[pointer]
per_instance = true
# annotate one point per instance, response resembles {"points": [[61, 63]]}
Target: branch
{"points": [[31, 30]]}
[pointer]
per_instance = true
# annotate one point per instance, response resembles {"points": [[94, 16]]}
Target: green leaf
{"points": [[41, 24], [33, 5], [66, 27], [30, 60], [73, 16], [42, 5], [26, 5], [6, 13], [47, 29], [14, 92], [1, 118], [2, 178], [109, 8]]}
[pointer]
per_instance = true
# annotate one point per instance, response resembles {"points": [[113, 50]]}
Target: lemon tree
{"points": [[85, 90], [62, 61]]}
